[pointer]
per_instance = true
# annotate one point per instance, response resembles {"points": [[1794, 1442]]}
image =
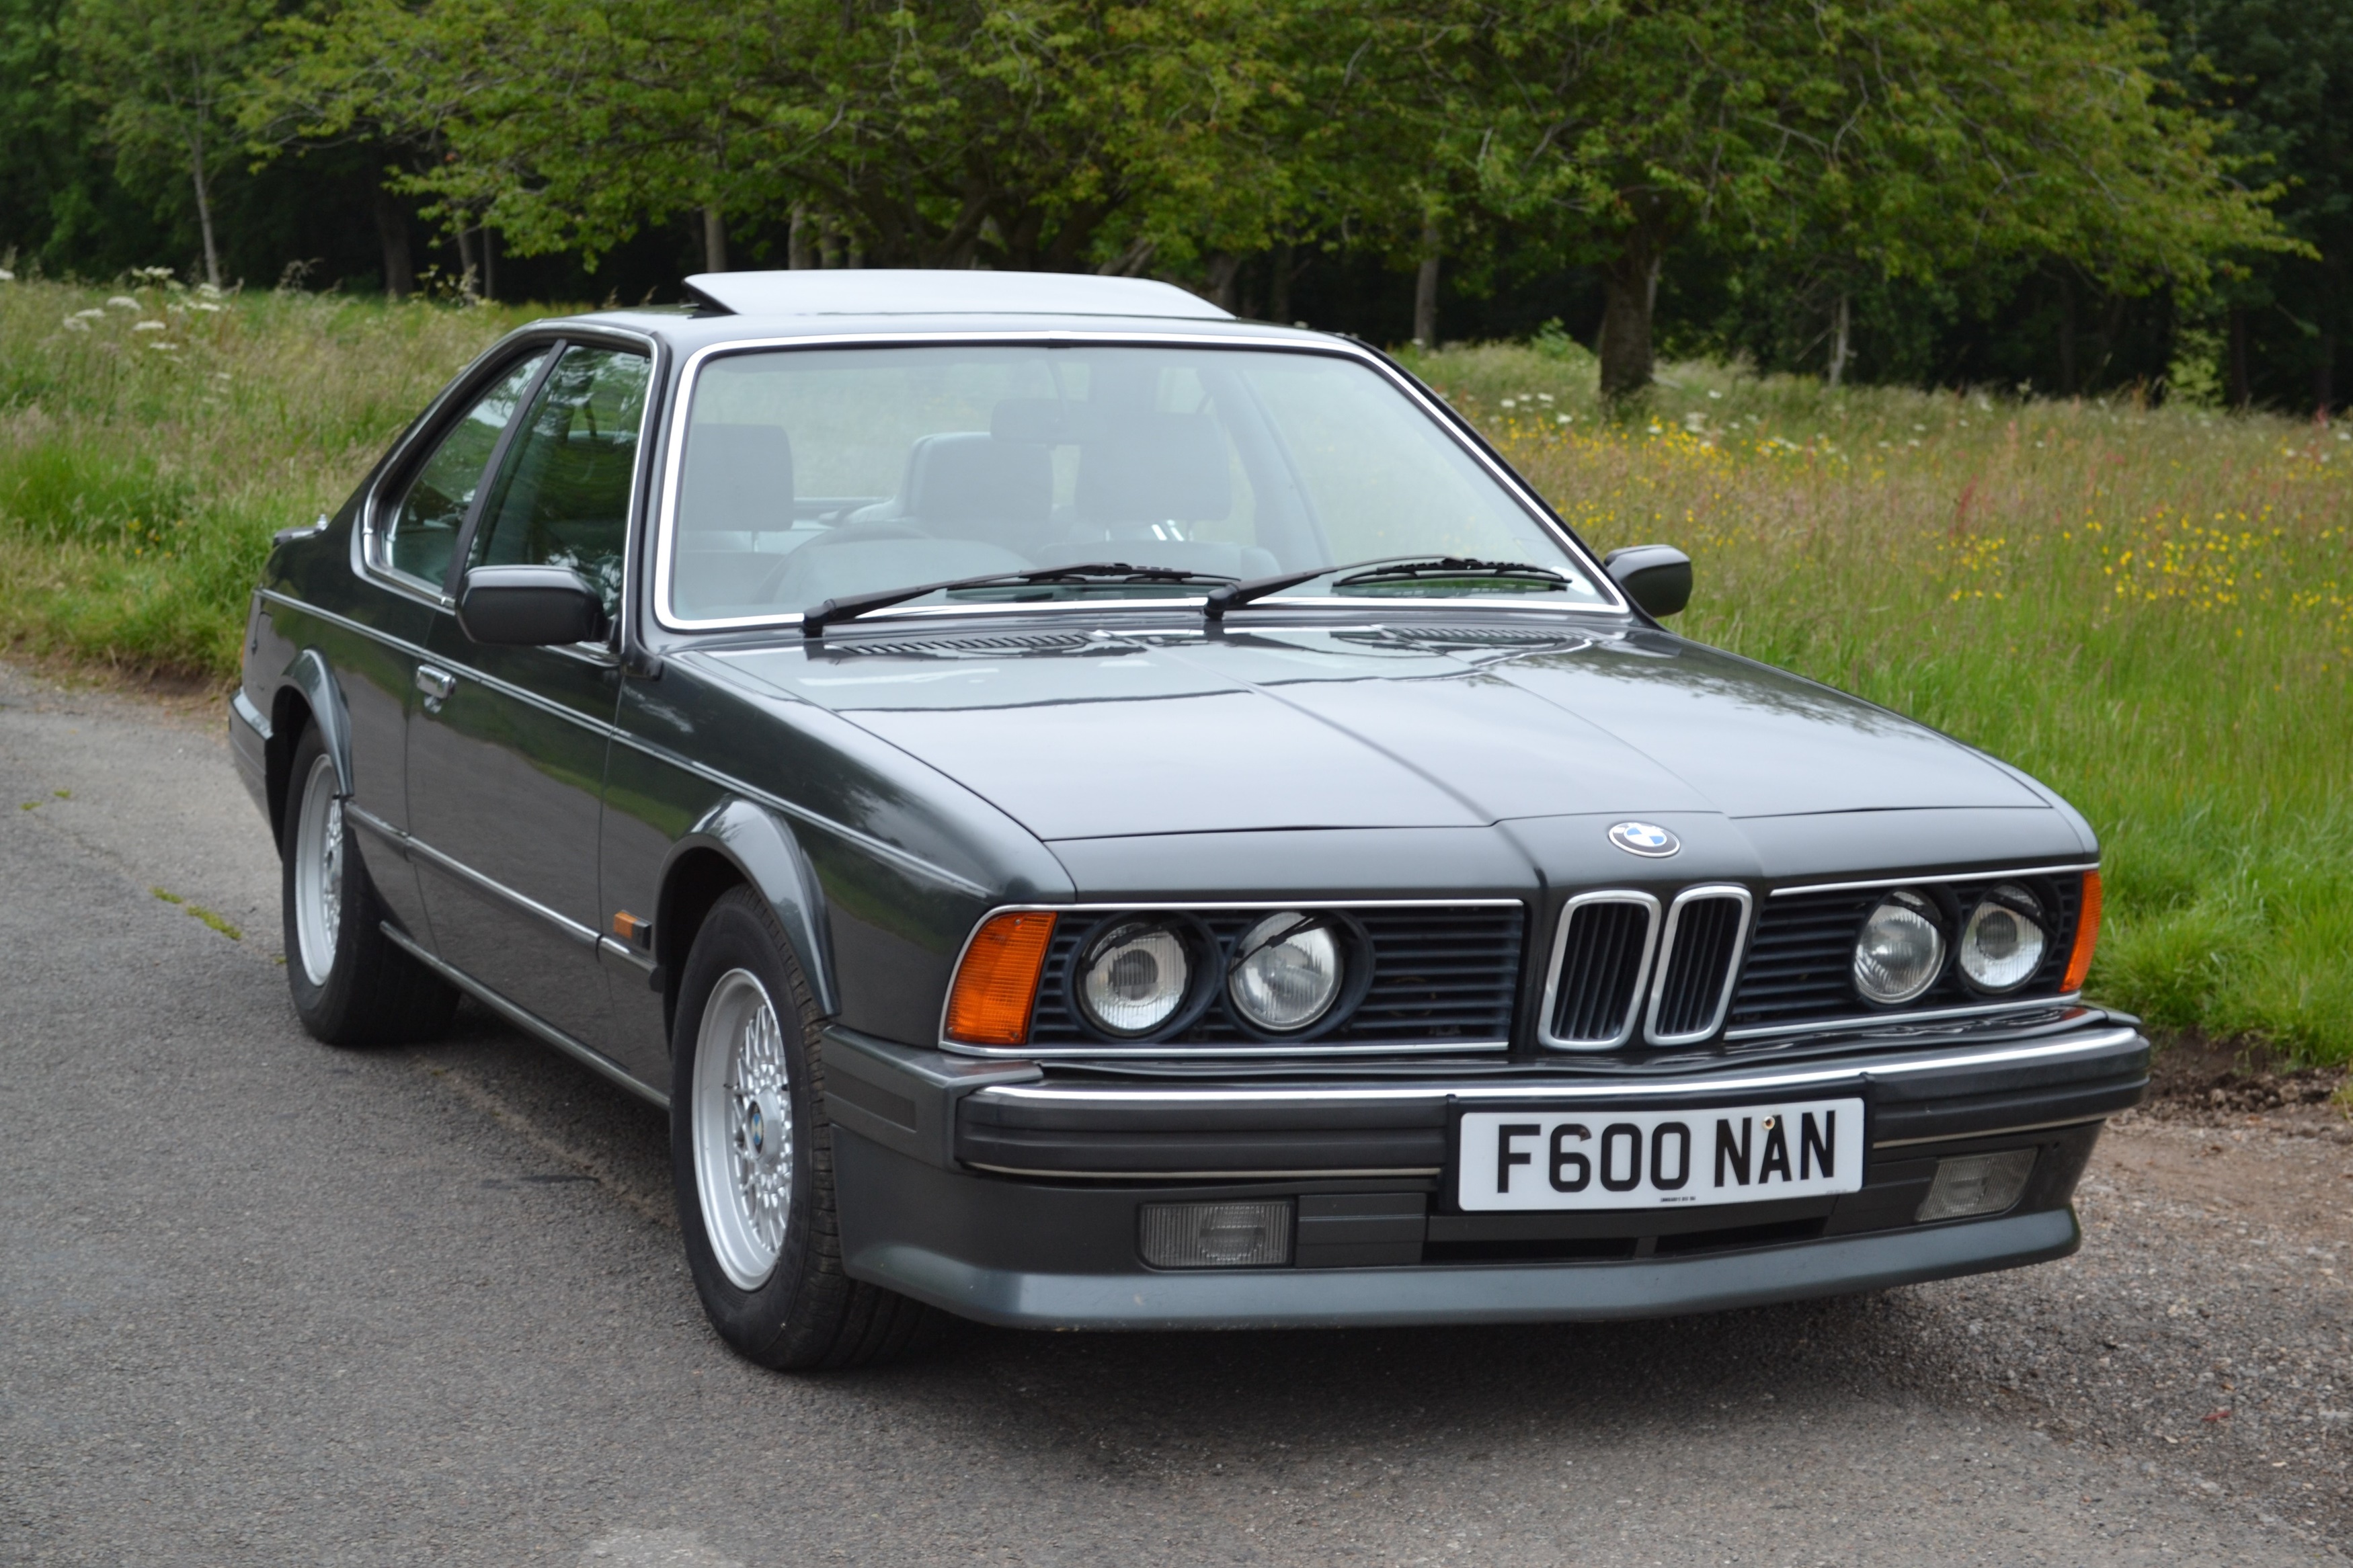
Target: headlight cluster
{"points": [[1282, 975], [2004, 936]]}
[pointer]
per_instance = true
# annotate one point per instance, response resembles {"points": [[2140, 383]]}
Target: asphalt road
{"points": [[266, 1303]]}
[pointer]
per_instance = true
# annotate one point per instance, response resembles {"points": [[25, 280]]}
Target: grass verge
{"points": [[2150, 609]]}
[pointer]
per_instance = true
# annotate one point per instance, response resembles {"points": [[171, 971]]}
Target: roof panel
{"points": [[880, 291]]}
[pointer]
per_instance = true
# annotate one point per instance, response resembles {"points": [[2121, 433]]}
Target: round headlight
{"points": [[1288, 974], [2002, 943], [1900, 952], [1134, 979]]}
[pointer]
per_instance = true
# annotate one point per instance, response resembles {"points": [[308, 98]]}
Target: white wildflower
{"points": [[76, 324], [207, 305], [92, 314], [167, 348], [148, 327], [122, 302]]}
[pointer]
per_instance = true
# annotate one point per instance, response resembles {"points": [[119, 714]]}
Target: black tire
{"points": [[805, 1313], [371, 992]]}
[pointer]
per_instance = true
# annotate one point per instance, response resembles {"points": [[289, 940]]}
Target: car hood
{"points": [[1079, 736]]}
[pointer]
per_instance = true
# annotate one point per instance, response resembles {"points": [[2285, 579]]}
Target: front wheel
{"points": [[351, 986], [752, 1158]]}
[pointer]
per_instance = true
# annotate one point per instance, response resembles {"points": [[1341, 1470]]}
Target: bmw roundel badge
{"points": [[1644, 838]]}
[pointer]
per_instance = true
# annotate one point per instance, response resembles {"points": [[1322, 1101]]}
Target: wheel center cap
{"points": [[756, 1125]]}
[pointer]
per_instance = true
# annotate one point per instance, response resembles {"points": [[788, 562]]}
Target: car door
{"points": [[507, 746], [413, 521]]}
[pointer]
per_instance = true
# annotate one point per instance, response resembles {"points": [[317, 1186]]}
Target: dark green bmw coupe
{"points": [[1089, 813]]}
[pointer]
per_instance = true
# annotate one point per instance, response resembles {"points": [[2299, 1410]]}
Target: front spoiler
{"points": [[1485, 1294]]}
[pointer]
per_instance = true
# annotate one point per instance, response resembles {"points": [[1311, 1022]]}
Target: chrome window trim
{"points": [[1764, 1080], [1169, 1048], [690, 372], [1748, 902], [367, 553], [1544, 1037], [1940, 877]]}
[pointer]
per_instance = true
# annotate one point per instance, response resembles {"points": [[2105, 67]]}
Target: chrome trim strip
{"points": [[1200, 1175], [890, 852], [1941, 876], [642, 963], [1990, 1132], [1667, 958], [674, 456], [1764, 1082], [1874, 1020], [248, 714], [1544, 1037], [417, 848], [528, 1023], [1149, 1050]]}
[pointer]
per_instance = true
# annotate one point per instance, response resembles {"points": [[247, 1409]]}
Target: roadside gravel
{"points": [[264, 1302]]}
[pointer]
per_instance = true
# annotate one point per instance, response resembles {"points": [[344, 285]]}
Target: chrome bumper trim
{"points": [[1768, 1080]]}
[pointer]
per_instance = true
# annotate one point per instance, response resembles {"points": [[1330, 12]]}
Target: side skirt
{"points": [[531, 1024]]}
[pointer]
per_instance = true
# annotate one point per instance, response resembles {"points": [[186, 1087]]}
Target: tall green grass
{"points": [[2152, 610], [151, 438]]}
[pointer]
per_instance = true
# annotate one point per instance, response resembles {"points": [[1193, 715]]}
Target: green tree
{"points": [[1900, 137], [166, 73]]}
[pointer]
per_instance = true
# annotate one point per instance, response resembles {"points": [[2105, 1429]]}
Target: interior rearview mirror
{"points": [[530, 606], [1658, 577]]}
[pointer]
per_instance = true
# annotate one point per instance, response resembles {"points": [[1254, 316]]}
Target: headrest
{"points": [[1153, 467], [970, 476], [738, 479]]}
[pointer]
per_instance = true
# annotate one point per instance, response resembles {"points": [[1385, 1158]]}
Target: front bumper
{"points": [[1048, 1237]]}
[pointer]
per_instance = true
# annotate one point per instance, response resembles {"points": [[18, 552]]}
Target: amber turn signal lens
{"points": [[2087, 934], [997, 981]]}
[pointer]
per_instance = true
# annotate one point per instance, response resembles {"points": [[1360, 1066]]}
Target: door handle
{"points": [[437, 684]]}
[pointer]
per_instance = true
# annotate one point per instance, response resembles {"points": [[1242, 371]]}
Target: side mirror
{"points": [[1658, 577], [530, 606]]}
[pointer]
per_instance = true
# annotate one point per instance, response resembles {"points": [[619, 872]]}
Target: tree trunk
{"points": [[1278, 286], [392, 230], [204, 208], [714, 240], [470, 263], [1225, 268], [490, 262], [1840, 321], [2069, 383], [829, 242], [2243, 389], [2324, 379], [1630, 292], [1425, 286], [798, 254]]}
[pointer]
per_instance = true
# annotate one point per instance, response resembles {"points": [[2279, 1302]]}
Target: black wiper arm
{"points": [[1221, 600], [849, 606], [1447, 566]]}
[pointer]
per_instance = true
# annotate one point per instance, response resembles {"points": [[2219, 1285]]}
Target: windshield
{"points": [[816, 475]]}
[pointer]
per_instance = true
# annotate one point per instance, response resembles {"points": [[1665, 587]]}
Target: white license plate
{"points": [[1658, 1159]]}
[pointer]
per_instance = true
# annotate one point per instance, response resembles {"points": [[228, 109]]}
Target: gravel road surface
{"points": [[266, 1303]]}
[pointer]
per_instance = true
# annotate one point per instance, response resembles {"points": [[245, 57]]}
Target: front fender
{"points": [[769, 858]]}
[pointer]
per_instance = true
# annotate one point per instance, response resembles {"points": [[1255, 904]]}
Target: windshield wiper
{"points": [[849, 606], [1381, 570]]}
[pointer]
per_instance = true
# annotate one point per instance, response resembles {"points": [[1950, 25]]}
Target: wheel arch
{"points": [[306, 694], [740, 844]]}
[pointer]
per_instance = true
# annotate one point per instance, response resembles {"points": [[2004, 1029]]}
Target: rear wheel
{"points": [[751, 1157], [351, 986]]}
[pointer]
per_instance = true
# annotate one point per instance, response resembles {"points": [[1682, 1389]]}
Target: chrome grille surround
{"points": [[1565, 993], [1706, 939]]}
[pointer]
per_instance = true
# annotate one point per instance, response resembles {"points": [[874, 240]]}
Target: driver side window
{"points": [[562, 496], [418, 539]]}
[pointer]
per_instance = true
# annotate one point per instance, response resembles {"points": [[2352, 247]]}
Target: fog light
{"points": [[1976, 1184], [1218, 1236]]}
